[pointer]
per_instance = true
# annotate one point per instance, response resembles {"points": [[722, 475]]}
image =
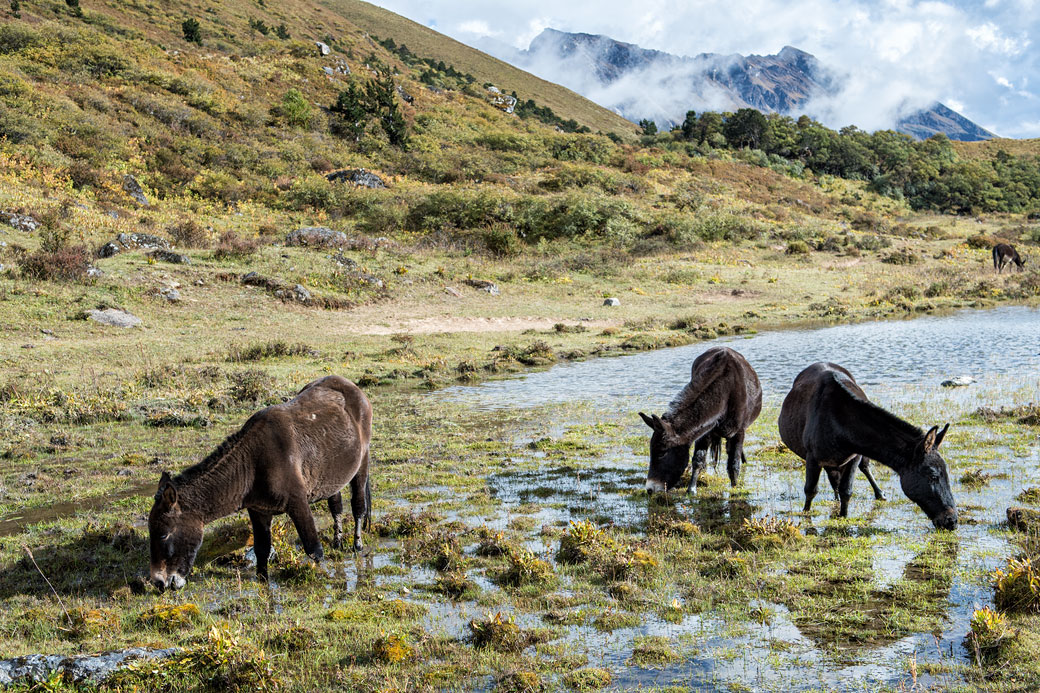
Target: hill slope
{"points": [[642, 83]]}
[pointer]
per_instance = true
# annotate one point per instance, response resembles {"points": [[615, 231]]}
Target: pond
{"points": [[900, 364]]}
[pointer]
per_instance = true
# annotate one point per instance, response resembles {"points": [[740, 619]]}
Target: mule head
{"points": [[174, 537], [668, 457], [925, 480]]}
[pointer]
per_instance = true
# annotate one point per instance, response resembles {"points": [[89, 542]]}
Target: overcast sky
{"points": [[979, 58]]}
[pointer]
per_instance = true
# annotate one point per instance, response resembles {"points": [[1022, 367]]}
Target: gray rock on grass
{"points": [[611, 301], [94, 669], [114, 317], [959, 381], [132, 188]]}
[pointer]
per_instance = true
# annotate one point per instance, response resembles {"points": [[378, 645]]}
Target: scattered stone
{"points": [[301, 294], [323, 48], [39, 668], [358, 176], [959, 381], [452, 291], [94, 272], [114, 317], [612, 301], [170, 256], [1023, 519], [499, 99], [316, 237], [329, 71], [405, 96], [113, 213], [132, 188], [128, 241], [344, 261], [22, 222], [483, 285], [170, 294], [342, 67]]}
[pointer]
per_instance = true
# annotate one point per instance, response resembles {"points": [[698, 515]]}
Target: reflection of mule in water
{"points": [[827, 420], [283, 459], [1004, 255], [721, 400]]}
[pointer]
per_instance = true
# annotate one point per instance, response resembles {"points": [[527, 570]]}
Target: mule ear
{"points": [[167, 493], [648, 421], [942, 434], [929, 444]]}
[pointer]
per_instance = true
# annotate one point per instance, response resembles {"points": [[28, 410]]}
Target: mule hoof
{"points": [[337, 543], [261, 577], [318, 554], [357, 545]]}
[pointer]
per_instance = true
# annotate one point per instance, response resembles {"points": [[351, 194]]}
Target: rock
{"points": [[113, 213], [611, 301], [405, 96], [1023, 519], [323, 48], [250, 556], [358, 176], [959, 381], [329, 71], [114, 317], [342, 67], [170, 294], [483, 285], [94, 272], [170, 256], [344, 261], [506, 102], [22, 222], [301, 294], [128, 241], [452, 291], [38, 668], [316, 237], [132, 188]]}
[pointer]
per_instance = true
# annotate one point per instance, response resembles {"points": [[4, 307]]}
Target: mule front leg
{"points": [[359, 501], [699, 462], [848, 473], [812, 482], [336, 508], [303, 519], [864, 466], [734, 455], [834, 477], [261, 541]]}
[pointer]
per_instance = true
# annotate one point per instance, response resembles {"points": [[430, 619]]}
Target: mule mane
{"points": [[877, 416], [691, 391], [192, 480]]}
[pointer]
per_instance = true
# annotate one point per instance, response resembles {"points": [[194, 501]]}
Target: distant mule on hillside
{"points": [[1004, 254], [283, 459], [721, 400]]}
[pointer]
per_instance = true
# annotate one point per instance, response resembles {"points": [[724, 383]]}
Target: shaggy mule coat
{"points": [[827, 420], [721, 400], [284, 458]]}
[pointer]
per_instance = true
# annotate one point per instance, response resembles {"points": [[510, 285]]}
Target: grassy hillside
{"points": [[988, 149], [490, 250]]}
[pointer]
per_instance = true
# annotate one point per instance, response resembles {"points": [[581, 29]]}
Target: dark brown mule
{"points": [[721, 400], [283, 459], [828, 421], [1004, 254]]}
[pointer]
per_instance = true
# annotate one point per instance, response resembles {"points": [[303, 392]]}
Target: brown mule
{"points": [[283, 459]]}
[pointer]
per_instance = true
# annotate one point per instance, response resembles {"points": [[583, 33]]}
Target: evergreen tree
{"points": [[648, 126], [352, 111], [689, 126], [382, 98], [192, 30]]}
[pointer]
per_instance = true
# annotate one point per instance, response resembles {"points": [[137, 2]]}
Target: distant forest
{"points": [[928, 174]]}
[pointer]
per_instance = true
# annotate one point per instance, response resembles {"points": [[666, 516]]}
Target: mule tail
{"points": [[368, 504], [996, 255]]}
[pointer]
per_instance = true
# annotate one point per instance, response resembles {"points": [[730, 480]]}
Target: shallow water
{"points": [[979, 343], [900, 365]]}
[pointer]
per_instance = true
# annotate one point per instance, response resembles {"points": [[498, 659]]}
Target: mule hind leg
{"points": [[360, 494], [848, 473], [812, 481], [336, 509], [734, 456]]}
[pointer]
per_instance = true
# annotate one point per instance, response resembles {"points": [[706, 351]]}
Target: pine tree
{"points": [[192, 30], [351, 108], [382, 99]]}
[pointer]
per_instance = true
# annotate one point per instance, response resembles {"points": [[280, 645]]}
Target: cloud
{"points": [[894, 52]]}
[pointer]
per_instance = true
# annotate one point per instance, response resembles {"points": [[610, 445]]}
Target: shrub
{"points": [[502, 241], [296, 109], [392, 649], [192, 30], [989, 630], [981, 241], [498, 632], [269, 350], [902, 256], [251, 386], [232, 245], [1017, 586], [66, 264], [797, 248], [189, 234]]}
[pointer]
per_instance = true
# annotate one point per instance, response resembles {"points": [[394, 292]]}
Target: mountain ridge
{"points": [[785, 82]]}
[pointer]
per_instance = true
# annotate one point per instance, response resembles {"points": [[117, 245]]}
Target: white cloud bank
{"points": [[896, 55]]}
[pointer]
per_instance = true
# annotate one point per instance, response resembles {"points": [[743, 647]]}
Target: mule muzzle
{"points": [[947, 519], [173, 582], [655, 486]]}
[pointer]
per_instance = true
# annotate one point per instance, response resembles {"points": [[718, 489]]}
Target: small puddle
{"points": [[16, 522]]}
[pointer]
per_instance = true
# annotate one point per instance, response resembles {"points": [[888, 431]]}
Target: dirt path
{"points": [[459, 324]]}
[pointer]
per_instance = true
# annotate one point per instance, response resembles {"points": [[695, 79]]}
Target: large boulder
{"points": [[358, 176], [162, 255], [132, 188], [483, 285], [323, 48], [130, 241], [316, 237], [89, 669], [22, 222]]}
